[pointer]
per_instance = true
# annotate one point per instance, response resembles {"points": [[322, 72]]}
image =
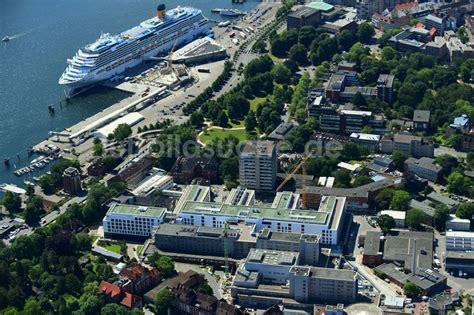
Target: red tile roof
{"points": [[109, 289], [129, 300], [406, 6]]}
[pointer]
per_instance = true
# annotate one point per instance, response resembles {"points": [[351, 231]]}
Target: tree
{"points": [[411, 290], [113, 309], [122, 132], [12, 202], [359, 100], [163, 301], [97, 148], [400, 200], [299, 54], [250, 121], [166, 266], [196, 119], [399, 158], [465, 211], [281, 73], [362, 180], [440, 216], [365, 32], [222, 119], [206, 289], [415, 217], [385, 222], [34, 209], [345, 40], [229, 168], [306, 35], [458, 183], [384, 198], [470, 160], [343, 178], [32, 307]]}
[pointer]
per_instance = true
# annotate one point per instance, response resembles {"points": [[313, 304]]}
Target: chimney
{"points": [[160, 11]]}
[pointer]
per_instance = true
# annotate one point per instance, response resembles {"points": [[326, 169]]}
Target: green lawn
{"points": [[94, 238], [255, 102], [212, 134], [114, 248], [139, 249]]}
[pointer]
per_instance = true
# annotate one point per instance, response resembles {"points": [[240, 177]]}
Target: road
{"points": [[378, 283]]}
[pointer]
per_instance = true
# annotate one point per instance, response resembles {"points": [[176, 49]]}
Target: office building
{"points": [[195, 193], [258, 165], [423, 167], [72, 181], [327, 221], [131, 220], [457, 224], [370, 141], [357, 198], [421, 119], [207, 241], [438, 23], [459, 241], [459, 261], [328, 285], [267, 277], [302, 17], [408, 144]]}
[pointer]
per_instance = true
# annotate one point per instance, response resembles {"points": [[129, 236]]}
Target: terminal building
{"points": [[131, 220]]}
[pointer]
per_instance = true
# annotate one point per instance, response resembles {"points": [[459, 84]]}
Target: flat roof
{"points": [[402, 246], [347, 166], [398, 215], [372, 243], [460, 234], [320, 5], [272, 257], [136, 210], [421, 115], [254, 211], [129, 119]]}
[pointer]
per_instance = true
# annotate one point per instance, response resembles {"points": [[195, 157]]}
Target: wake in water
{"points": [[21, 34]]}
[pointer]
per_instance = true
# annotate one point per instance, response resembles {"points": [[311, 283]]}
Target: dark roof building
{"points": [[282, 131], [421, 119], [303, 16], [185, 169]]}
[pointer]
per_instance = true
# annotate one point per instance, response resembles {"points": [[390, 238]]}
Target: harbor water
{"points": [[43, 35]]}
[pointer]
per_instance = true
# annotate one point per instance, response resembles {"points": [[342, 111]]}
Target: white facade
{"points": [[456, 224], [258, 165], [459, 241], [132, 220], [326, 222], [273, 266]]}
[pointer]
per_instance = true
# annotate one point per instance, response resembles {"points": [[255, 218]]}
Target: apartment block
{"points": [[408, 144], [258, 165], [423, 167]]}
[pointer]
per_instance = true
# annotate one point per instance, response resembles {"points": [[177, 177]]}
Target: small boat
{"points": [[6, 39]]}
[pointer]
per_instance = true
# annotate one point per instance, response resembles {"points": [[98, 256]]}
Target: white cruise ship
{"points": [[110, 55]]}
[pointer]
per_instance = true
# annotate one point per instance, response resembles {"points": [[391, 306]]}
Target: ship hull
{"points": [[99, 75]]}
